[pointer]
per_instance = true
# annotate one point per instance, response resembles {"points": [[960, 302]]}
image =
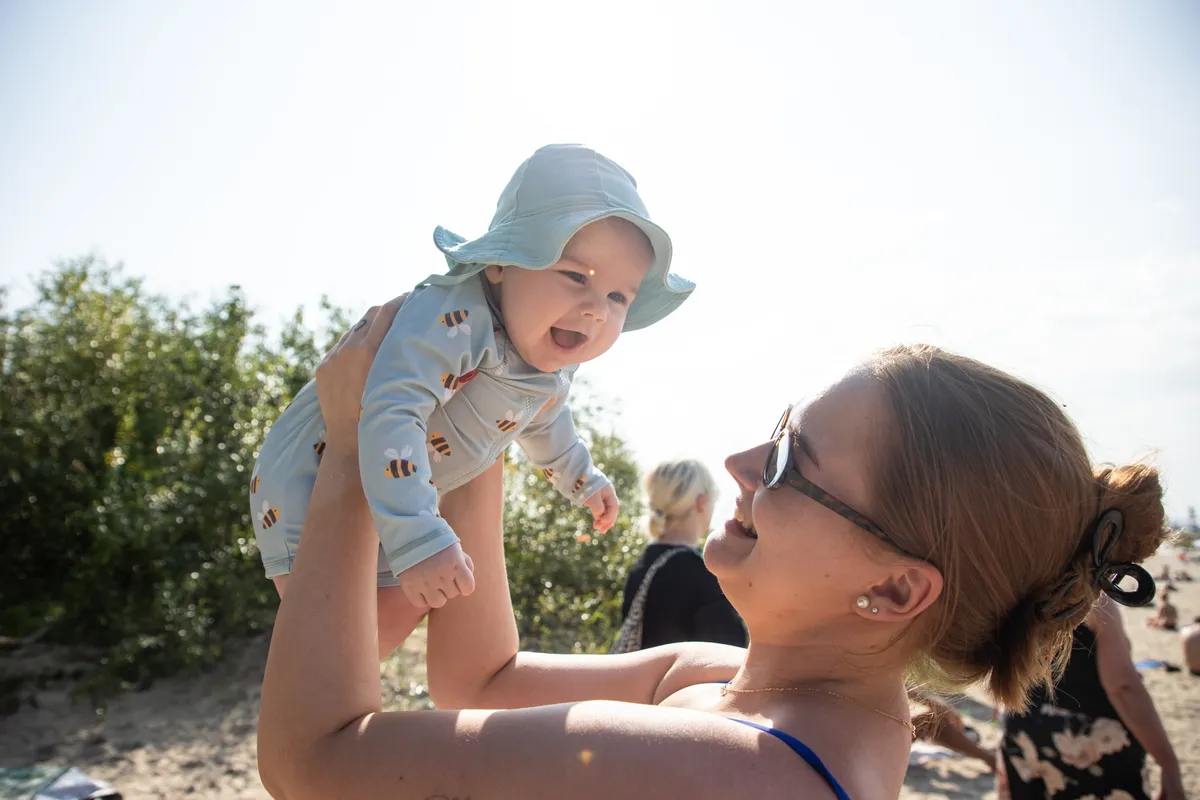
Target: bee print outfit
{"points": [[446, 395]]}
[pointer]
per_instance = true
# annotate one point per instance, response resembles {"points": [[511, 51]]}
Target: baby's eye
{"points": [[617, 297], [578, 277]]}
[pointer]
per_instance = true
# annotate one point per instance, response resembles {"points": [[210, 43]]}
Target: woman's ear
{"points": [[494, 274], [906, 593]]}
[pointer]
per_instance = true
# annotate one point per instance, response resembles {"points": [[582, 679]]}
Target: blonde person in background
{"points": [[670, 596]]}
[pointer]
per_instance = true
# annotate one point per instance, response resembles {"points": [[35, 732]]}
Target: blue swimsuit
{"points": [[801, 750]]}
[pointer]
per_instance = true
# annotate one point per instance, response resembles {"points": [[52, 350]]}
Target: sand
{"points": [[196, 737]]}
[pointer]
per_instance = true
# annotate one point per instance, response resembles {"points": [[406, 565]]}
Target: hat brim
{"points": [[511, 244]]}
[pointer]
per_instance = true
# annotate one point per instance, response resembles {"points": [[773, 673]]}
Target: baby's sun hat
{"points": [[558, 190]]}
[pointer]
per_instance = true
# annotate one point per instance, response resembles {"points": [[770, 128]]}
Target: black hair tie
{"points": [[1106, 575], [1109, 573]]}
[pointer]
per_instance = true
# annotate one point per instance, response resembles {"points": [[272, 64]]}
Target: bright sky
{"points": [[1018, 181]]}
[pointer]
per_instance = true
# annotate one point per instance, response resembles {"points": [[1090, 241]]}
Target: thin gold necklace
{"points": [[727, 689]]}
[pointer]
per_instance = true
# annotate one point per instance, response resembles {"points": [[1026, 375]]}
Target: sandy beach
{"points": [[196, 737]]}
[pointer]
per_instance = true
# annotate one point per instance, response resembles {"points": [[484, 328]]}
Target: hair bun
{"points": [[1136, 491]]}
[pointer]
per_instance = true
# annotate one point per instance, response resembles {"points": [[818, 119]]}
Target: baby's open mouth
{"points": [[567, 339]]}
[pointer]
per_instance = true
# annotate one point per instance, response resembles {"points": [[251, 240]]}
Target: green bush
{"points": [[128, 427], [566, 581]]}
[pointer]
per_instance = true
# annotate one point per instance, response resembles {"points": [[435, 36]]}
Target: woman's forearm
{"points": [[537, 679], [323, 668], [473, 639], [472, 652], [1136, 708]]}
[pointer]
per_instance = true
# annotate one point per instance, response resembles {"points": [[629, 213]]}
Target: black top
{"points": [[685, 602], [1079, 689]]}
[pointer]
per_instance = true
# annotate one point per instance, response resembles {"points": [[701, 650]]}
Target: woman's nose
{"points": [[746, 467]]}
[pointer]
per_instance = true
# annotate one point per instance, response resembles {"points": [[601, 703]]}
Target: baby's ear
{"points": [[494, 273]]}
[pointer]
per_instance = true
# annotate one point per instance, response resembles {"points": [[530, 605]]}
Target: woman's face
{"points": [[785, 561]]}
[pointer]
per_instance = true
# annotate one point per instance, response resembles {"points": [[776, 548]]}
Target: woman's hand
{"points": [[342, 373], [1172, 785]]}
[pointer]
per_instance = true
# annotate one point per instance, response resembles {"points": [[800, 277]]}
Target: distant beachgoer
{"points": [[670, 596], [1090, 736], [1167, 616], [1189, 638]]}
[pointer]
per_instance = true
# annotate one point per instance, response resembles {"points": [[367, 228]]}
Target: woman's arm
{"points": [[1125, 689], [472, 656], [942, 725], [321, 733]]}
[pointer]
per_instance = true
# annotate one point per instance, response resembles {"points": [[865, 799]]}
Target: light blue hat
{"points": [[558, 190]]}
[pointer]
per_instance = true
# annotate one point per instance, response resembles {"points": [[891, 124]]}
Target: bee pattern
{"points": [[509, 423], [399, 466], [438, 446], [254, 481], [451, 383], [455, 321], [548, 474], [269, 515], [578, 485], [319, 449]]}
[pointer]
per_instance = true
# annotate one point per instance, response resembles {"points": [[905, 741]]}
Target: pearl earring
{"points": [[863, 601], [874, 610]]}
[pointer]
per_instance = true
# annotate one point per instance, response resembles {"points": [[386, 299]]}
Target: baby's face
{"points": [[574, 311]]}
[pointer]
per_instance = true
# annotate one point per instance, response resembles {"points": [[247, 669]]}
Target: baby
{"points": [[477, 358]]}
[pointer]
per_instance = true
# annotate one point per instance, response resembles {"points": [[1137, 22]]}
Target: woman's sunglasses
{"points": [[781, 469]]}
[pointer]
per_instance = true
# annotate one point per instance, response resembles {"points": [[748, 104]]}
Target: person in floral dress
{"points": [[1088, 739]]}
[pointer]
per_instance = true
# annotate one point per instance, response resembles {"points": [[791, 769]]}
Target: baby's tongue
{"points": [[564, 338]]}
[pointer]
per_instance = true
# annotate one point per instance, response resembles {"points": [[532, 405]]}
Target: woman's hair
{"points": [[987, 476], [672, 488]]}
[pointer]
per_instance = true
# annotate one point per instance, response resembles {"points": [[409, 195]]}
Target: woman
{"points": [[925, 516], [1089, 739], [670, 596]]}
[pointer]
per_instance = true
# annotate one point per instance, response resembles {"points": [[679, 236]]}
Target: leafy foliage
{"points": [[128, 428], [567, 581]]}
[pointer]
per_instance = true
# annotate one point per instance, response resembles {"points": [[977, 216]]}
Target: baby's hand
{"points": [[604, 507], [441, 577]]}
